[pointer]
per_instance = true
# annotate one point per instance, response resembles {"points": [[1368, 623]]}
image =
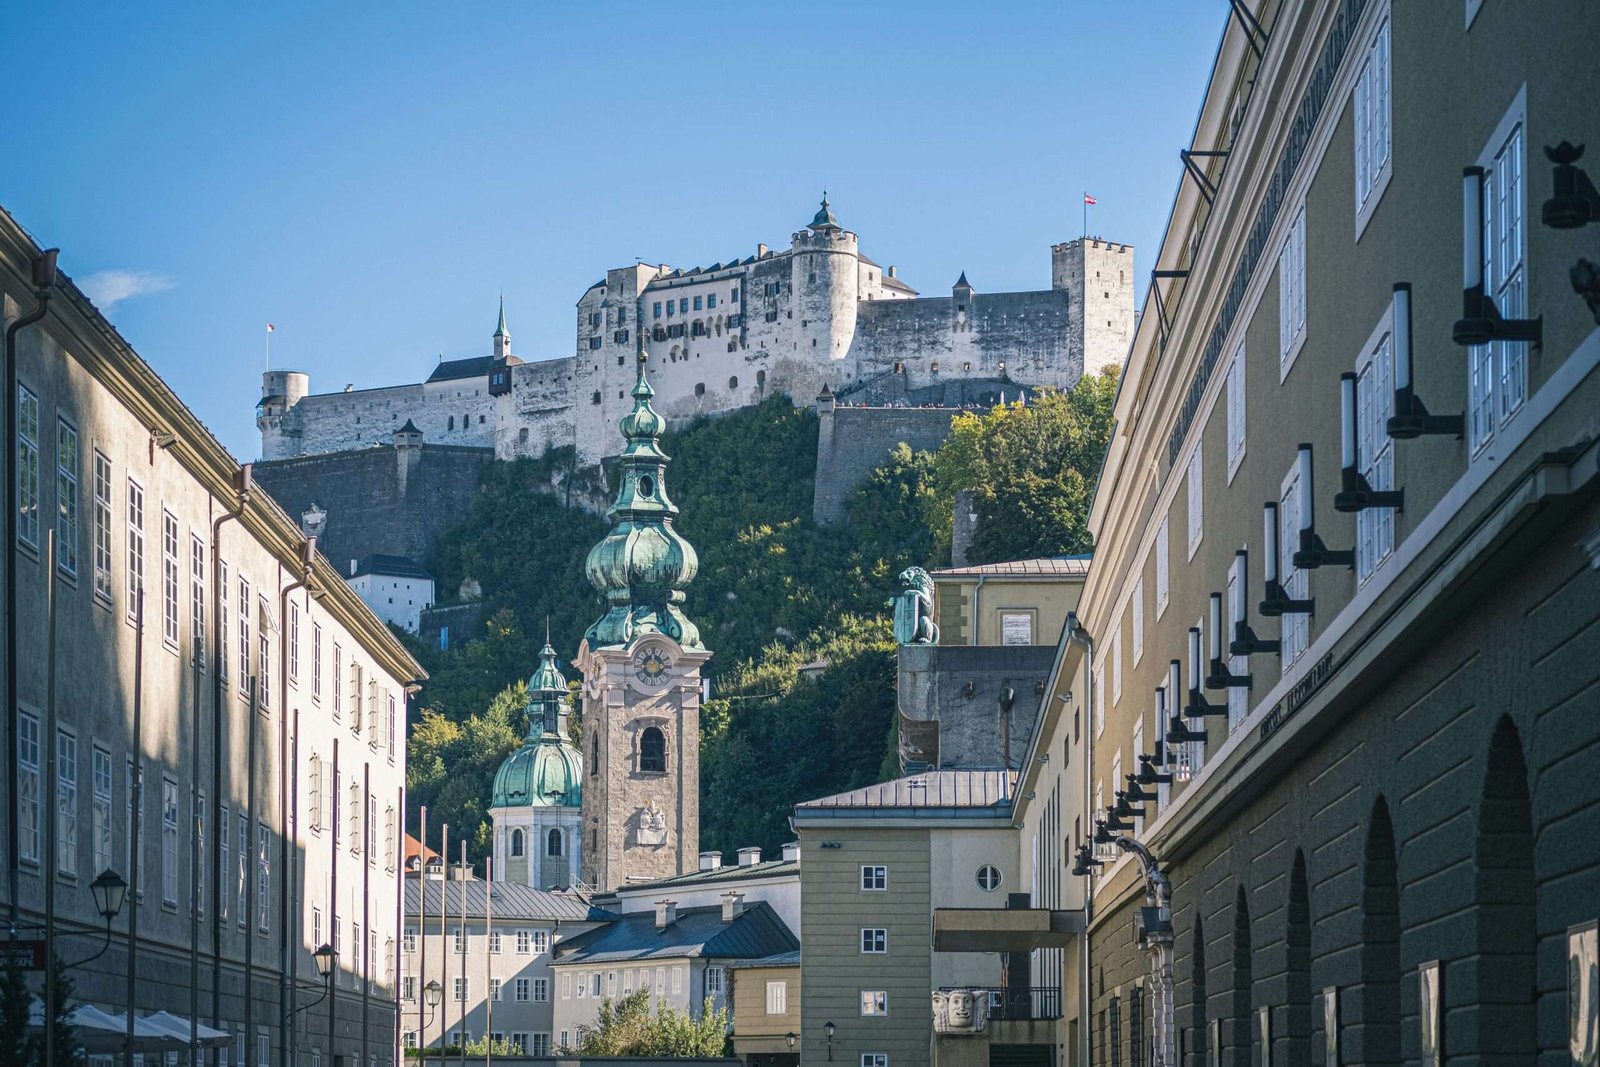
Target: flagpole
{"points": [[268, 365], [1085, 216]]}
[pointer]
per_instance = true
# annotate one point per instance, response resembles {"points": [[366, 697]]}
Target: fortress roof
{"points": [[451, 370], [389, 567]]}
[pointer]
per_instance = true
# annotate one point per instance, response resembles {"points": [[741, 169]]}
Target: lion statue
{"points": [[913, 609]]}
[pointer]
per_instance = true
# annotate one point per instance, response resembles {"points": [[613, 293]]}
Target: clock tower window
{"points": [[653, 751]]}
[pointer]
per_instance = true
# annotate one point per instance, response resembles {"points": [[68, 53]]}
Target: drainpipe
{"points": [[1081, 637], [242, 482], [288, 758], [44, 279]]}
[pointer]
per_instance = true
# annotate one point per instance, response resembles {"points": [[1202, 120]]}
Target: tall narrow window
{"points": [[1295, 628], [1235, 412], [263, 654], [66, 498], [197, 599], [28, 787], [1375, 452], [133, 838], [169, 578], [1116, 667], [652, 750], [135, 545], [1371, 106], [66, 803], [169, 842], [242, 867], [316, 661], [1498, 379], [100, 813], [1163, 563], [355, 817], [1292, 290], [314, 781], [102, 527], [294, 641], [224, 860], [392, 725], [263, 876], [1099, 699], [1197, 499], [245, 647], [388, 839], [200, 850], [338, 672], [553, 842], [27, 467], [223, 626], [1136, 620]]}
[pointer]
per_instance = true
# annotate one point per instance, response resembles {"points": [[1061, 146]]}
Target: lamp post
{"points": [[109, 893], [432, 995], [791, 1037], [828, 1028], [326, 957]]}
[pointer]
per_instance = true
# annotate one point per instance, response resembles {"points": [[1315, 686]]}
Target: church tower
{"points": [[502, 336], [641, 666], [537, 801]]}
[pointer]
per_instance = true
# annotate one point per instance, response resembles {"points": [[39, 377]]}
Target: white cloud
{"points": [[108, 288]]}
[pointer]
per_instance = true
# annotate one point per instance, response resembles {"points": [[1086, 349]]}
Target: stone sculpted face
{"points": [[959, 1009]]}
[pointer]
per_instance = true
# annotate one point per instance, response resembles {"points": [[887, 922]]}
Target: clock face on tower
{"points": [[650, 666]]}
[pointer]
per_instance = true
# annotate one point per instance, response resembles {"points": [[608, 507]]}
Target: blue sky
{"points": [[370, 177]]}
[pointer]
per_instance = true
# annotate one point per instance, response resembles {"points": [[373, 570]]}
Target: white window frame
{"points": [[197, 599], [523, 990], [1371, 105], [263, 877], [494, 988], [169, 578], [1238, 696], [1292, 293], [68, 498], [1099, 699], [872, 937], [777, 996], [102, 527], [1374, 447], [874, 1002], [874, 878], [1294, 633], [713, 981], [1237, 409], [135, 529], [101, 779], [225, 858], [874, 1059], [541, 990], [66, 806], [1116, 667], [1497, 372], [1195, 515], [1163, 566], [169, 842], [29, 501], [1136, 620]]}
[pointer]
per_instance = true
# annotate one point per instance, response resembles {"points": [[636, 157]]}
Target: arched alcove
{"points": [[1236, 1027], [1297, 1036], [1197, 1002], [1375, 1036], [1506, 906]]}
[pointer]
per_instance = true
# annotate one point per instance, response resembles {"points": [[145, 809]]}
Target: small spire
{"points": [[501, 331], [962, 283], [823, 219]]}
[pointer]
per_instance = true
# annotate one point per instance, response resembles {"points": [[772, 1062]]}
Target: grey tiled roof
{"points": [[473, 367], [721, 874], [511, 902], [1047, 566], [697, 932], [781, 959], [974, 790], [390, 567]]}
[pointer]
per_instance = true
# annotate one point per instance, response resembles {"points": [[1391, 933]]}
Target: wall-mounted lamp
{"points": [[1198, 706], [1245, 642], [1312, 553], [1355, 492], [1149, 773], [163, 438], [828, 1028], [1084, 861], [1136, 792], [1218, 676], [1411, 418], [1575, 202], [1178, 732], [1480, 320], [1276, 601], [1044, 757]]}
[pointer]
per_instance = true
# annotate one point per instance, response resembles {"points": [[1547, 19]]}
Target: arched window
{"points": [[733, 382], [451, 424], [699, 388], [516, 842], [653, 750], [552, 845], [594, 753]]}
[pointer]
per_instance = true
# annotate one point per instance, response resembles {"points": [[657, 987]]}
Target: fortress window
{"points": [[734, 296], [621, 361], [622, 316], [594, 318], [734, 321], [697, 303], [594, 342], [761, 379], [660, 334], [711, 301], [451, 424], [655, 309], [812, 277], [772, 289], [522, 435], [516, 842], [733, 383], [699, 388], [653, 751], [933, 367], [772, 316], [553, 842], [671, 309], [596, 398], [683, 306], [620, 337], [480, 420]]}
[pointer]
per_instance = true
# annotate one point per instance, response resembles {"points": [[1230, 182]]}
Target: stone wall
{"points": [[385, 499], [943, 726], [852, 442]]}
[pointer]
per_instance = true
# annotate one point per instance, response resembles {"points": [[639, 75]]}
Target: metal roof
{"points": [[731, 873], [781, 959], [946, 790], [1043, 567], [473, 367], [511, 901], [696, 932], [389, 567]]}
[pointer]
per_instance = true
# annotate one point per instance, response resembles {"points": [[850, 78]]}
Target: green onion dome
{"points": [[547, 771]]}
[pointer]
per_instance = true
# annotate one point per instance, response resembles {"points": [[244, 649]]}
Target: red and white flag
{"points": [[1087, 199], [270, 327]]}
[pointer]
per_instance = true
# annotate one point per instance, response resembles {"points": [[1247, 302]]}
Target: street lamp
{"points": [[432, 995], [791, 1037], [326, 957], [109, 893], [828, 1028]]}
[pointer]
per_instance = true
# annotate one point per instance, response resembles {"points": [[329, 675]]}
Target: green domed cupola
{"points": [[547, 771], [643, 565]]}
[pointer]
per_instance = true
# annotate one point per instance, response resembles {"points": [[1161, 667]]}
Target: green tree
{"points": [[450, 765], [627, 1027], [15, 1043]]}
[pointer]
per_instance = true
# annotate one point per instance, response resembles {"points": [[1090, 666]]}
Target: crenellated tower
{"points": [[825, 278], [641, 664]]}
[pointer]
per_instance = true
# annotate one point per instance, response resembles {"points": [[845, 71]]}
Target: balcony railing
{"points": [[1021, 1003]]}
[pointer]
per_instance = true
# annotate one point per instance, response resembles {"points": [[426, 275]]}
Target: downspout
{"points": [[1081, 637], [288, 759], [977, 617], [242, 484]]}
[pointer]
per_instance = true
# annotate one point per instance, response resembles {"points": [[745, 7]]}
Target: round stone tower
{"points": [[537, 802], [825, 264], [281, 390]]}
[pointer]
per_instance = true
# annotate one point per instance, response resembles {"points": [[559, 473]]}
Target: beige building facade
{"points": [[209, 711]]}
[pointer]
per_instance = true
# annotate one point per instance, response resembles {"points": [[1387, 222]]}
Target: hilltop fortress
{"points": [[818, 315]]}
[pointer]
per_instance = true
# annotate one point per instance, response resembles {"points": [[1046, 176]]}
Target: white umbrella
{"points": [[178, 1027], [100, 1031]]}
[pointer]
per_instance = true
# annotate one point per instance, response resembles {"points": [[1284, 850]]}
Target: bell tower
{"points": [[641, 666]]}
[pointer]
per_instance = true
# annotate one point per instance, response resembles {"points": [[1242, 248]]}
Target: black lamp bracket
{"points": [[1576, 202], [1481, 322], [1246, 643], [1314, 554], [1412, 420], [1199, 707], [1148, 775], [1179, 732], [1135, 792], [1218, 676], [1356, 494]]}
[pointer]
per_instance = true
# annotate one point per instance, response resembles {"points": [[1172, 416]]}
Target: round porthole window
{"points": [[988, 878], [647, 486]]}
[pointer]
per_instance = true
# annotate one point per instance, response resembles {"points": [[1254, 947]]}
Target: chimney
{"points": [[749, 857], [791, 852], [710, 861], [732, 906], [761, 251], [893, 271], [353, 564], [666, 913]]}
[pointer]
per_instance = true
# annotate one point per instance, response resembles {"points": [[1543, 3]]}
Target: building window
{"points": [[874, 940], [494, 989], [652, 750], [655, 309], [874, 877], [169, 842], [294, 641], [1375, 452], [777, 996], [169, 578], [223, 625], [102, 527], [874, 1059], [713, 981], [460, 940], [683, 306], [874, 1002], [541, 942], [66, 498], [1197, 498], [522, 942], [263, 656], [135, 838], [1295, 628], [553, 843], [460, 988], [699, 388], [263, 876], [1292, 291], [316, 661], [1099, 680], [242, 872], [989, 878], [135, 546], [197, 599], [1372, 122], [733, 383], [541, 990], [1235, 412], [1162, 564], [338, 680], [245, 647], [698, 304], [522, 990], [224, 858], [711, 301], [1498, 372], [516, 842], [27, 467], [408, 991], [66, 803], [100, 814], [1136, 621]]}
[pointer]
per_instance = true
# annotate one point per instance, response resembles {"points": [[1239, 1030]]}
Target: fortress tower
{"points": [[281, 390], [1100, 274], [824, 276], [641, 666]]}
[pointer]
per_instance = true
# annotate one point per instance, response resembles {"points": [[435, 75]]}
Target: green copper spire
{"points": [[547, 771], [823, 219], [501, 331], [643, 564]]}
